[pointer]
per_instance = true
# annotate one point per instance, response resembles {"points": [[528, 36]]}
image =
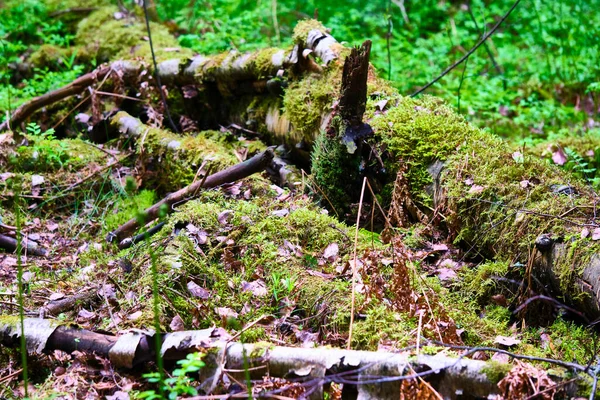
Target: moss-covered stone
{"points": [[49, 55], [47, 154], [103, 37]]}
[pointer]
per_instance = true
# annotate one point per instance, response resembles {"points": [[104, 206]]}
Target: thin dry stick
{"points": [[362, 193], [468, 54], [424, 382], [419, 331], [102, 150], [10, 376], [122, 96], [320, 191], [86, 98], [432, 314]]}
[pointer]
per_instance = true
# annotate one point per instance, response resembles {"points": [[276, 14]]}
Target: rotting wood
{"points": [[256, 164]]}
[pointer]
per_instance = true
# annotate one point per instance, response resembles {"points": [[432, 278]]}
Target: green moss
{"points": [[172, 160], [421, 131], [495, 371], [381, 324], [256, 239], [307, 101], [104, 38], [479, 282], [127, 208], [303, 27], [49, 55], [253, 335], [262, 62], [48, 154], [260, 350], [335, 171]]}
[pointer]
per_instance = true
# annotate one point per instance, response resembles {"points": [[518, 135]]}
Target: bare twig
{"points": [[231, 174], [468, 54], [354, 269]]}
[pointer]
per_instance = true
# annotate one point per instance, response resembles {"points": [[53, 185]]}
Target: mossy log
{"points": [[495, 202]]}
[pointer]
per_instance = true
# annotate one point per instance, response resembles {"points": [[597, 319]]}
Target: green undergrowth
{"points": [[382, 325], [37, 52], [127, 207], [45, 153]]}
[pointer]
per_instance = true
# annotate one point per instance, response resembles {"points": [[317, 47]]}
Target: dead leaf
{"points": [[331, 252], [108, 291], [381, 104], [440, 247], [223, 216], [257, 287], [51, 226], [177, 324], [446, 274], [226, 312], [5, 175], [518, 157], [134, 316], [56, 296], [197, 290], [585, 232], [559, 157], [280, 213], [500, 299], [596, 234], [85, 314], [507, 340], [36, 180], [475, 189]]}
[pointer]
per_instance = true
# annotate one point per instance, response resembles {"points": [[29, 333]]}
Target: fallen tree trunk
{"points": [[364, 374], [492, 200], [10, 244]]}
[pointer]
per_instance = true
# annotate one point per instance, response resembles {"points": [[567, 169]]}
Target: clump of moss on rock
{"points": [[102, 37], [47, 155]]}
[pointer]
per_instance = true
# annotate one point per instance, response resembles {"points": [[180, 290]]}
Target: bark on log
{"points": [[256, 164], [364, 370]]}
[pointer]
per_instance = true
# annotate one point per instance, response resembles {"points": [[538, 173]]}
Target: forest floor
{"points": [[253, 259]]}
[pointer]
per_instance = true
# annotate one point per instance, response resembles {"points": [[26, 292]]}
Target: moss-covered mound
{"points": [[227, 261], [108, 34]]}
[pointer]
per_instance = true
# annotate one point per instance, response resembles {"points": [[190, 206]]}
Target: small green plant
{"points": [[45, 149], [282, 286], [581, 167], [310, 261], [179, 384]]}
